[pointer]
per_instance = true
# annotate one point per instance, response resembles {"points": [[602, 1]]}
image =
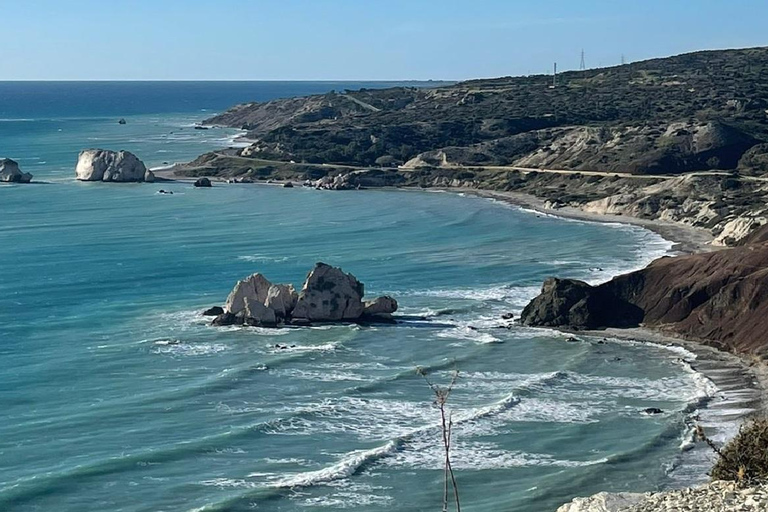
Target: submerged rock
{"points": [[329, 294], [114, 166], [11, 173]]}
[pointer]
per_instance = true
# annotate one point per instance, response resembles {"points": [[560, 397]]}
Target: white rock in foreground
{"points": [[115, 166], [603, 502], [10, 172], [712, 497]]}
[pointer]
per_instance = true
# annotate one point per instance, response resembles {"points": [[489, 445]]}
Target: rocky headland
{"points": [[11, 173], [718, 298], [112, 166], [327, 295]]}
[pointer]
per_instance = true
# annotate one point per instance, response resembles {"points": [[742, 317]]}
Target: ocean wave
{"points": [[347, 466], [256, 258]]}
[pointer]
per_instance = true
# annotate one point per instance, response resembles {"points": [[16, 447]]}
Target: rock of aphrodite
{"points": [[328, 295], [254, 287], [10, 172], [114, 166], [282, 299]]}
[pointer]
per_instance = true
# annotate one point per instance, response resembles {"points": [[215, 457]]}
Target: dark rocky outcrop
{"points": [[214, 311], [719, 298], [577, 305], [11, 173], [328, 295], [203, 183]]}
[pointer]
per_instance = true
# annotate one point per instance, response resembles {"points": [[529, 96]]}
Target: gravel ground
{"points": [[714, 497]]}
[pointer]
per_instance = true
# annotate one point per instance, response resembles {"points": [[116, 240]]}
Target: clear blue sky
{"points": [[355, 39]]}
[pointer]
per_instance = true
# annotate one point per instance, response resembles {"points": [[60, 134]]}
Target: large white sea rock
{"points": [[254, 287], [106, 165], [282, 299], [328, 295]]}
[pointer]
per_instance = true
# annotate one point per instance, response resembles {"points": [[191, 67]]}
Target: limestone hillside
{"points": [[698, 111]]}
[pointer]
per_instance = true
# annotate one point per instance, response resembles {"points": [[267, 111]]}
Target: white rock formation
{"points": [[329, 294], [256, 313], [105, 165], [282, 299], [10, 172], [255, 287], [738, 228], [603, 502], [381, 306]]}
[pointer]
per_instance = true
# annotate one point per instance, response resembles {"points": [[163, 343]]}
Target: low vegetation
{"points": [[745, 458]]}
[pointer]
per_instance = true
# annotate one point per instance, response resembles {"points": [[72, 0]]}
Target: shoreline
{"points": [[685, 239]]}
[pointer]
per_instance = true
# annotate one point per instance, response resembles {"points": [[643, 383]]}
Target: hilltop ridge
{"points": [[691, 112]]}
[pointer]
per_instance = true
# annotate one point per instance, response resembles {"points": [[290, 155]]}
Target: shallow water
{"points": [[117, 395]]}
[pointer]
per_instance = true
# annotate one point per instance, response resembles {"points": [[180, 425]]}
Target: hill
{"points": [[692, 112]]}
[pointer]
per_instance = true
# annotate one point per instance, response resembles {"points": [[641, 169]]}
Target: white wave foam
{"points": [[344, 468], [189, 349], [468, 333], [254, 258]]}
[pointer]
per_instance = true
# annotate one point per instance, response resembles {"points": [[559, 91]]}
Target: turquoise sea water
{"points": [[115, 394]]}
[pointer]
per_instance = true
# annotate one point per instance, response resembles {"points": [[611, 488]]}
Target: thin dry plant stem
{"points": [[446, 426]]}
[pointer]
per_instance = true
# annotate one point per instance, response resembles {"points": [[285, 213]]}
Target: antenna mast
{"points": [[583, 65], [554, 77]]}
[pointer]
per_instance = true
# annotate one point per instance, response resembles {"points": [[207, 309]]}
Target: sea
{"points": [[117, 395]]}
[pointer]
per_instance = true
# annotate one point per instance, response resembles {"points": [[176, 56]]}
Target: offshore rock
{"points": [[257, 314], [329, 294], [115, 166], [381, 306], [10, 172], [282, 299], [255, 287], [203, 183]]}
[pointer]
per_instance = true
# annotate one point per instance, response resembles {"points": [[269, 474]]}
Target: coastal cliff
{"points": [[719, 298]]}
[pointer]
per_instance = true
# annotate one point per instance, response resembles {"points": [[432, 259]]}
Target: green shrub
{"points": [[745, 458]]}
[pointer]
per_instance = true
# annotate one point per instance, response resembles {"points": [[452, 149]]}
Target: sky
{"points": [[355, 39]]}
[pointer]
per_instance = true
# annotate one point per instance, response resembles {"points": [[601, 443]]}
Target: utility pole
{"points": [[623, 61], [583, 64], [554, 77]]}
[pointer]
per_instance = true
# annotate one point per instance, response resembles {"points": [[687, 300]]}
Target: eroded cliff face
{"points": [[720, 298]]}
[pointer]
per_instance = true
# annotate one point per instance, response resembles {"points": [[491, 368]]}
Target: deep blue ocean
{"points": [[116, 395]]}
